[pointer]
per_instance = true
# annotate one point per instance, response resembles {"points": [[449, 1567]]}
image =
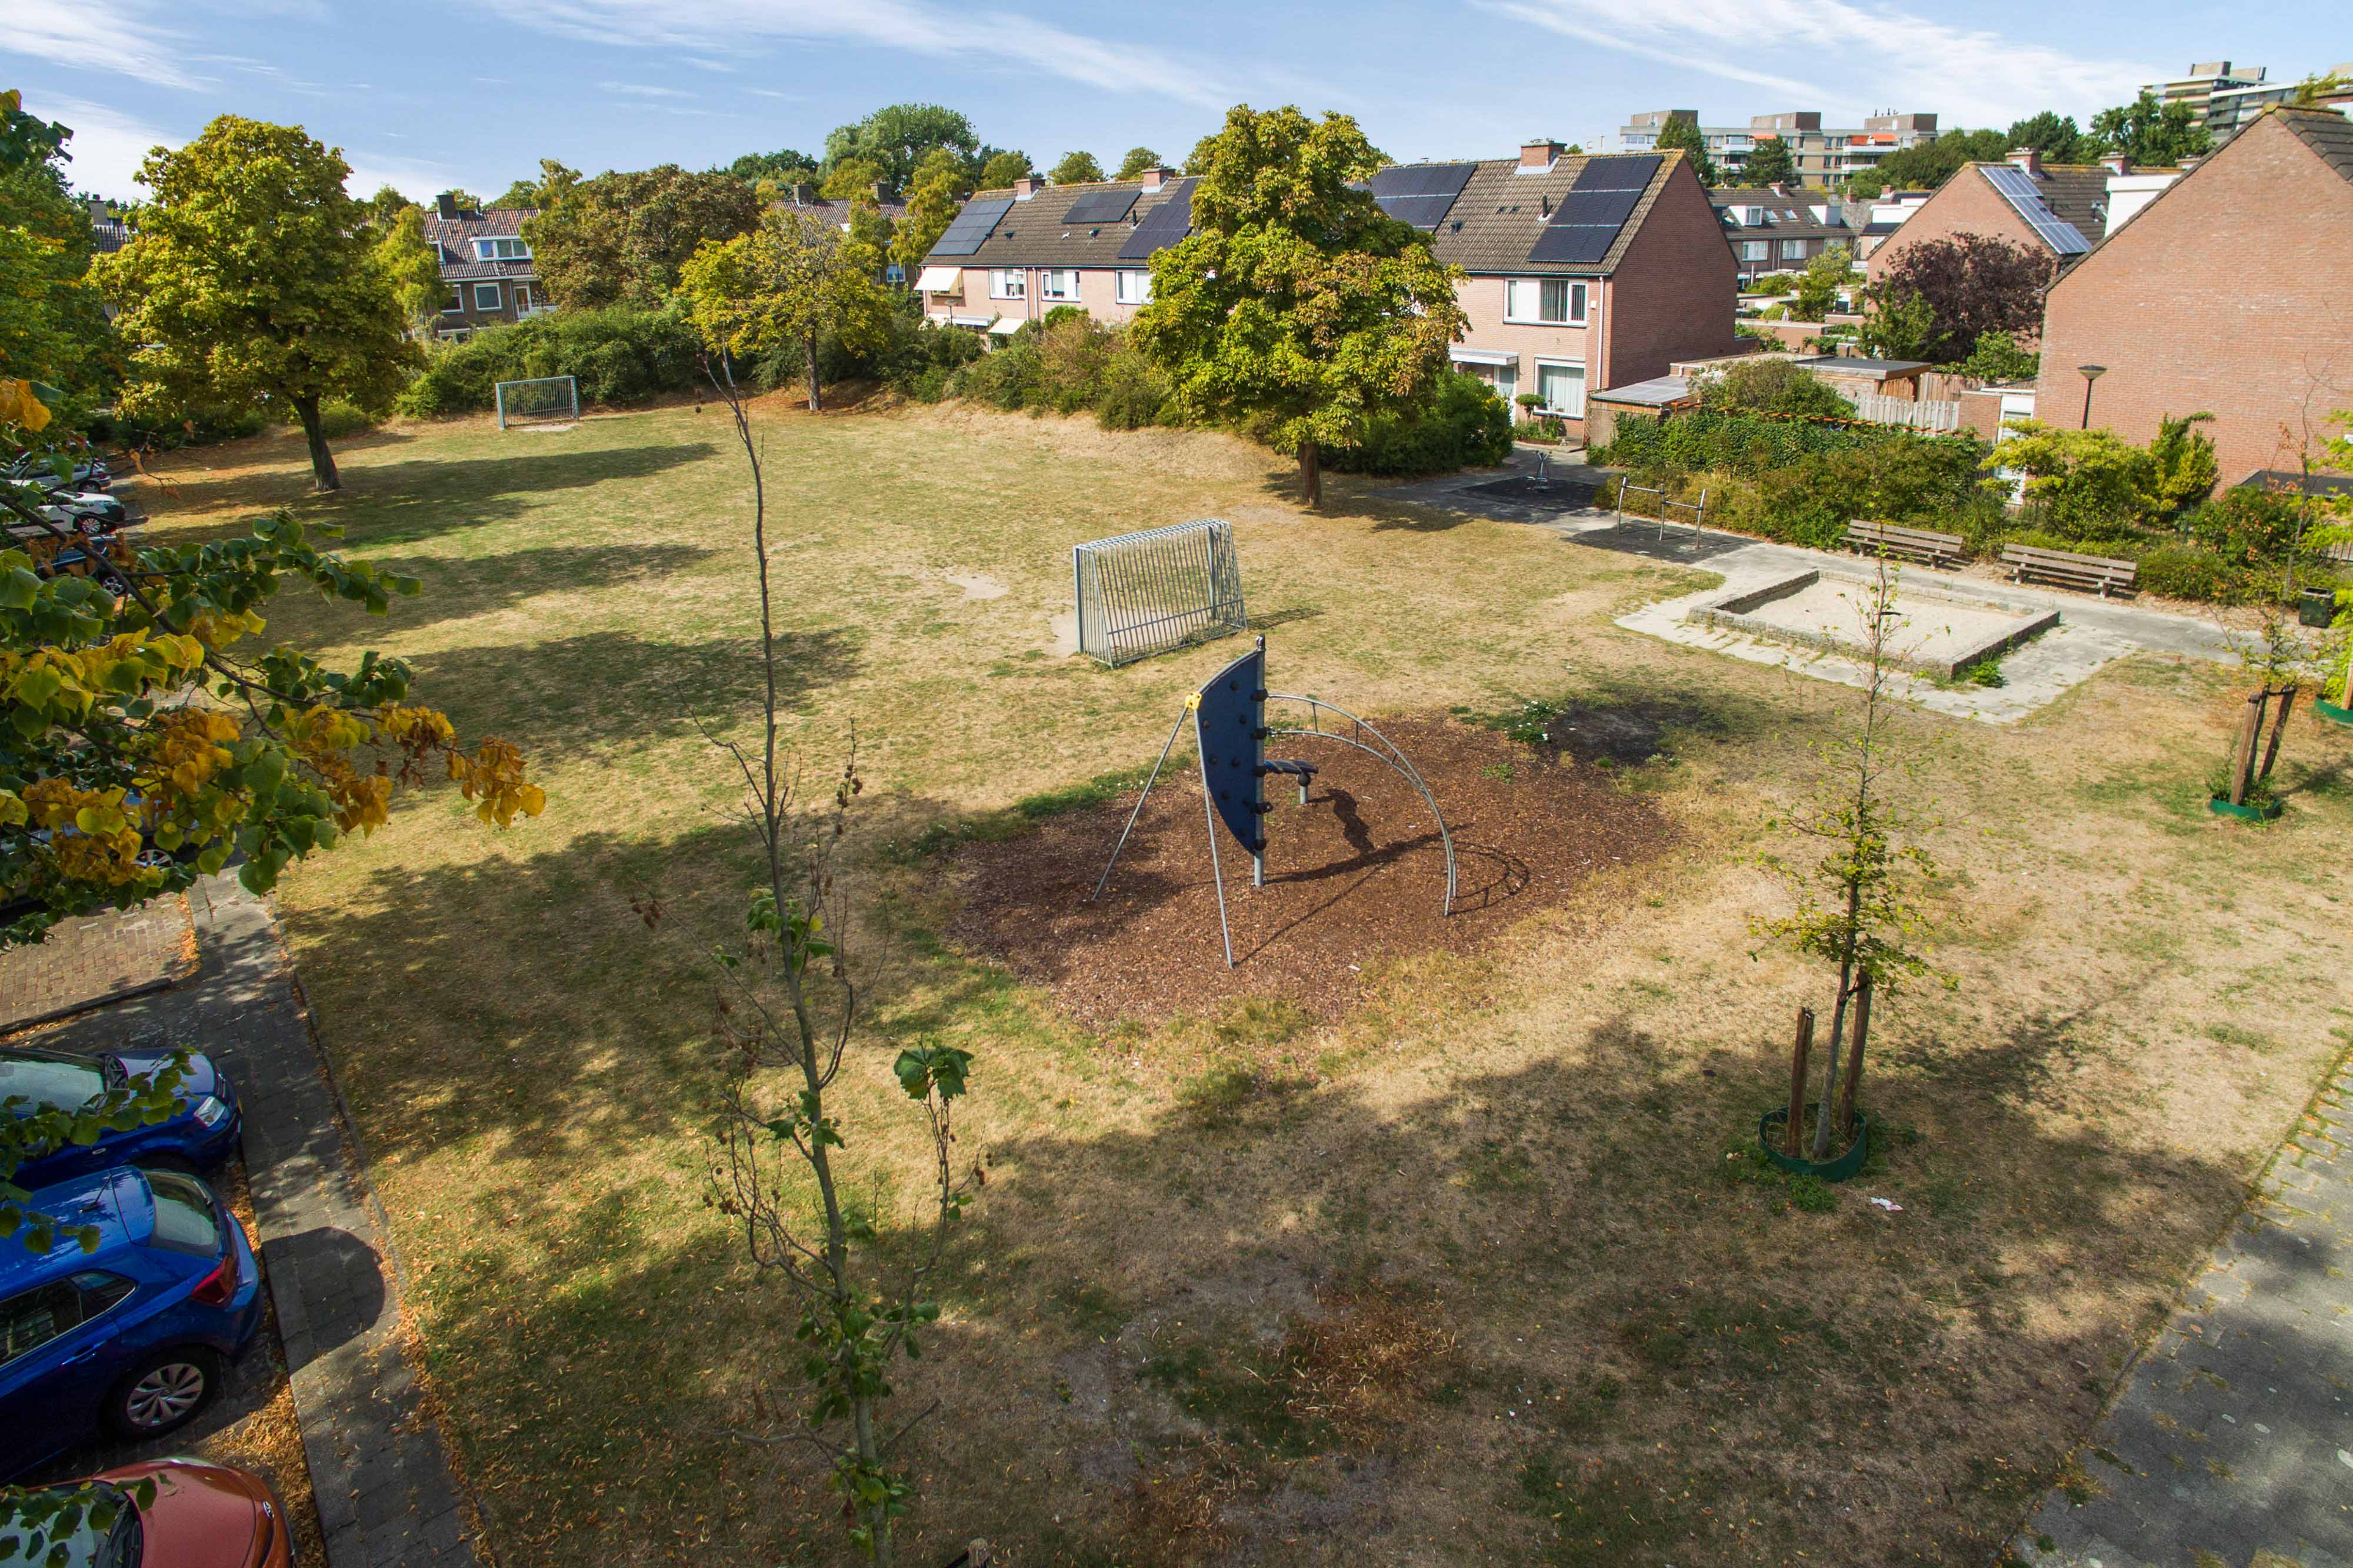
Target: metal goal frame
{"points": [[514, 409], [1141, 593]]}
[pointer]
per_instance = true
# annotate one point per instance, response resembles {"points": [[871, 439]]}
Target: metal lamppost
{"points": [[2090, 372]]}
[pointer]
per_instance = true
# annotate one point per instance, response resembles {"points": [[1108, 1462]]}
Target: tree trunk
{"points": [[323, 461], [2271, 748], [1851, 1090], [1820, 1149], [817, 405], [1311, 475]]}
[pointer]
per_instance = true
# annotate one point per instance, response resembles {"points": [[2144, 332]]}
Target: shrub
{"points": [[1773, 386], [619, 354], [1134, 392], [2080, 484], [1466, 425], [2245, 525], [1006, 378], [1071, 353], [1999, 358], [1750, 443]]}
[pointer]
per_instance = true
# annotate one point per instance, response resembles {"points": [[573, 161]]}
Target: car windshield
{"points": [[46, 1079], [119, 1545], [183, 1216]]}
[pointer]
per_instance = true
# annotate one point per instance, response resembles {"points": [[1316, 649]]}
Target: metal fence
{"points": [[1924, 414], [1142, 593]]}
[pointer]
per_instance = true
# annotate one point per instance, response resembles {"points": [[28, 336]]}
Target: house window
{"points": [[1562, 387], [1007, 283], [455, 302], [1552, 301], [508, 249], [1134, 288], [1793, 250], [486, 295], [1058, 284], [522, 297], [1755, 249]]}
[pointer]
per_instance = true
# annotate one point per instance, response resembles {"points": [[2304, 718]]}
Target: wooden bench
{"points": [[2070, 571], [1911, 544]]}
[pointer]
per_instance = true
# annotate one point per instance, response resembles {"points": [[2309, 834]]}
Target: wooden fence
{"points": [[1925, 414]]}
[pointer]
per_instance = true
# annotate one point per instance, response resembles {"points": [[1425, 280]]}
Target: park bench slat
{"points": [[1913, 544], [2070, 570]]}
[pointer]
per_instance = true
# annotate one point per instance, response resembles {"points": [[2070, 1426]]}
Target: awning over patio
{"points": [[1004, 327], [1462, 356], [940, 280]]}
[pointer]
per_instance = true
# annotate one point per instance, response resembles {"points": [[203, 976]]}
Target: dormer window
{"points": [[505, 248]]}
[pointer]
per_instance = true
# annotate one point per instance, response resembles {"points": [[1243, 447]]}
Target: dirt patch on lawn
{"points": [[1354, 879]]}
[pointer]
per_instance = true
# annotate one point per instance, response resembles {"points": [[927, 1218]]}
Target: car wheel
{"points": [[172, 1162], [163, 1392]]}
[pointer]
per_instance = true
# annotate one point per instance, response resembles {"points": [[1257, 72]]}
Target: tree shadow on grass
{"points": [[456, 590]]}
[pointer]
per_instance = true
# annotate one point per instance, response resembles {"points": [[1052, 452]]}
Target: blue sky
{"points": [[427, 94]]}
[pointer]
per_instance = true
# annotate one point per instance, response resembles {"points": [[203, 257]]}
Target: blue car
{"points": [[134, 1336], [199, 1134]]}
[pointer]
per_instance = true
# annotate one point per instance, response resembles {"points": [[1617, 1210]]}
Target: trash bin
{"points": [[2316, 606]]}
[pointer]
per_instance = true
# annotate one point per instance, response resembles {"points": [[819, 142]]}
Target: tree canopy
{"points": [[1685, 136], [2148, 132], [1966, 285], [1769, 162], [1298, 305], [793, 280], [941, 185], [1076, 169], [895, 137], [411, 265], [785, 166], [1138, 159], [53, 325], [252, 274], [621, 238], [1003, 168]]}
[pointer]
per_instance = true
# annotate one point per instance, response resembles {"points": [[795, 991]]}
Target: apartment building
{"points": [[1775, 230], [2204, 81], [2231, 110], [1580, 272], [485, 265], [1821, 155], [2229, 293]]}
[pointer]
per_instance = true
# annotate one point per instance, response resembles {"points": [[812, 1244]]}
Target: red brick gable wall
{"points": [[2230, 294], [1674, 292], [1965, 204]]}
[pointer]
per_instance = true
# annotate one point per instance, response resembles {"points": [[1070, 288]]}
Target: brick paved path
{"points": [[94, 959], [2232, 1445]]}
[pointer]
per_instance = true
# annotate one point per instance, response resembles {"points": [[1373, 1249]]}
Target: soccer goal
{"points": [[1142, 593], [529, 402]]}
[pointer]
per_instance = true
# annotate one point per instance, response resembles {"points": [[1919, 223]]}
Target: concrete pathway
{"points": [[2232, 1445], [98, 959], [385, 1494]]}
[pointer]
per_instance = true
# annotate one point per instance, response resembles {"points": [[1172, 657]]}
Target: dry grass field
{"points": [[1467, 1270]]}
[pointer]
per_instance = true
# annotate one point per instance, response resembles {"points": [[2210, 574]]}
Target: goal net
{"points": [[1142, 593], [529, 402]]}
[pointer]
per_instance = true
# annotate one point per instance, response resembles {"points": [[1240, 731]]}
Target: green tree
{"points": [[1298, 305], [853, 180], [941, 185], [1683, 135], [794, 278], [413, 267], [382, 208], [2055, 137], [1820, 284], [252, 274], [1138, 159], [2148, 132], [1857, 907], [2183, 468], [1076, 169], [621, 238], [53, 325], [1897, 325], [1769, 163], [518, 194], [895, 137], [1003, 168], [2000, 357], [1930, 164], [785, 166], [2082, 484]]}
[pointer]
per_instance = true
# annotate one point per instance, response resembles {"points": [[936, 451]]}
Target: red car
{"points": [[202, 1516]]}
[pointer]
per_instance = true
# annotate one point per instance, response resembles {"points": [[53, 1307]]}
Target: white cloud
{"points": [[107, 145], [1828, 49], [917, 26], [99, 35], [637, 89]]}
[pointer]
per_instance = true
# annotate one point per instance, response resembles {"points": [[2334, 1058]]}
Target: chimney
{"points": [[2028, 159], [1024, 187], [1538, 154], [1154, 177], [446, 204], [2116, 163], [97, 210], [881, 192], [804, 193]]}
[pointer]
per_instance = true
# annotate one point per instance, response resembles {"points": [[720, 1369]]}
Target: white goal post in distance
{"points": [[1142, 593], [549, 397]]}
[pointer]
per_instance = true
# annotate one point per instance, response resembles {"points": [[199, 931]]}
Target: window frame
{"points": [[1140, 281], [1059, 285], [486, 248], [1008, 283], [456, 304], [1577, 296], [1793, 250], [498, 297], [1576, 369]]}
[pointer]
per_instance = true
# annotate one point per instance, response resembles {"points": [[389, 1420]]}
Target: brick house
{"points": [[1774, 229], [1602, 290], [2058, 210], [2229, 293], [485, 264]]}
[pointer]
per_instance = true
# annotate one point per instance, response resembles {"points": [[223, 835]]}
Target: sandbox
{"points": [[1941, 632]]}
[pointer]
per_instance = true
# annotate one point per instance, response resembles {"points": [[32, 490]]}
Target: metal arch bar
{"points": [[1210, 817], [1166, 746], [1389, 752]]}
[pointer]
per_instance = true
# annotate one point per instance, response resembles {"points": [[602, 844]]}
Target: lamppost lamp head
{"points": [[2092, 372]]}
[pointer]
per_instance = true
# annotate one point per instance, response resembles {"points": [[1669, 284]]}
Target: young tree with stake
{"points": [[1855, 905]]}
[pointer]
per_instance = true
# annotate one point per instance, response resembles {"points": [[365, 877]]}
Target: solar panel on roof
{"points": [[1163, 227], [1101, 206], [1420, 193], [1616, 174], [971, 226], [2019, 189], [1596, 207], [1574, 242]]}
